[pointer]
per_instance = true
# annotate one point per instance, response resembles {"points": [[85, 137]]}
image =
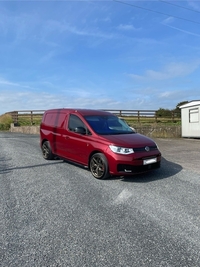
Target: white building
{"points": [[190, 119]]}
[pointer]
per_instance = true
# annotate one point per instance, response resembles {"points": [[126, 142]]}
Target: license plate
{"points": [[149, 161]]}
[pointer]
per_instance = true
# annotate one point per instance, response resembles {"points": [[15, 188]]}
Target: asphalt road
{"points": [[53, 213]]}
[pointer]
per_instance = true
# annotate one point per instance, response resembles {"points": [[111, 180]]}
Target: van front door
{"points": [[77, 141]]}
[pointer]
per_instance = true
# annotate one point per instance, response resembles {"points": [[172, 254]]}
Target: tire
{"points": [[99, 166], [46, 151]]}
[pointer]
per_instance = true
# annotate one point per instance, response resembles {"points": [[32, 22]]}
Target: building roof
{"points": [[191, 104]]}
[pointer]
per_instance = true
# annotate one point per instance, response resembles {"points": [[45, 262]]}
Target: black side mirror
{"points": [[80, 130]]}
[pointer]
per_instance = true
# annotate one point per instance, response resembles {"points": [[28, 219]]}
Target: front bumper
{"points": [[137, 163]]}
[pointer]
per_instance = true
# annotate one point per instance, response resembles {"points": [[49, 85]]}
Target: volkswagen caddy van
{"points": [[98, 140]]}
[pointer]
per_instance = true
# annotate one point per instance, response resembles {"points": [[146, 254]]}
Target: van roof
{"points": [[83, 112]]}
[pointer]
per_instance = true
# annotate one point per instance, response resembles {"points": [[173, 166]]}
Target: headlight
{"points": [[157, 146], [121, 150]]}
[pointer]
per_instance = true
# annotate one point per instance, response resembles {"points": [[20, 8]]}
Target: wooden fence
{"points": [[34, 117], [27, 116]]}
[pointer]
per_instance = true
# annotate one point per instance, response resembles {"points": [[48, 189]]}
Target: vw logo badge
{"points": [[147, 148]]}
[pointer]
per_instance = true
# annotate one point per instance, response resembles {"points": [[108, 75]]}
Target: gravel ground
{"points": [[53, 213]]}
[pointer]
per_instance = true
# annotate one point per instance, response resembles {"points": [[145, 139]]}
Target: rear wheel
{"points": [[46, 151], [99, 166]]}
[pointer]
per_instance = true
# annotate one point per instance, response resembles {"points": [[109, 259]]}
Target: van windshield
{"points": [[108, 124]]}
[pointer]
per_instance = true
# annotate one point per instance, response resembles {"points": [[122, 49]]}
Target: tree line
{"points": [[176, 112]]}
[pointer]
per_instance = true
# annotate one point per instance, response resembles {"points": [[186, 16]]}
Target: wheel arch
{"points": [[94, 152], [44, 140]]}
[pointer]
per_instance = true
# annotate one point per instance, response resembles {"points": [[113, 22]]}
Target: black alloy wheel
{"points": [[46, 151]]}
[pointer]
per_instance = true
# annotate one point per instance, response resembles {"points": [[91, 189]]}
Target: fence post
{"points": [[31, 117], [172, 116], [138, 116], [14, 115]]}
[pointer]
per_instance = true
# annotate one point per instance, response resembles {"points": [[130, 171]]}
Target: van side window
{"points": [[55, 119], [75, 122]]}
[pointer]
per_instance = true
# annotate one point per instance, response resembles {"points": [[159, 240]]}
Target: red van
{"points": [[98, 140]]}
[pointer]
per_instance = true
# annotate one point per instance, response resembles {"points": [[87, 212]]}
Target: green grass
{"points": [[151, 121], [5, 121], [26, 121]]}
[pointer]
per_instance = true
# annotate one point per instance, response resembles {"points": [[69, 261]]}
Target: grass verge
{"points": [[5, 121]]}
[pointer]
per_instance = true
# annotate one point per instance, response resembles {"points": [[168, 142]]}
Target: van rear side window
{"points": [[55, 119]]}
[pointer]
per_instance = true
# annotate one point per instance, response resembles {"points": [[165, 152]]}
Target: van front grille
{"points": [[142, 149]]}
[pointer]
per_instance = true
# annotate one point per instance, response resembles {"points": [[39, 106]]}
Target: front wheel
{"points": [[99, 166], [46, 151]]}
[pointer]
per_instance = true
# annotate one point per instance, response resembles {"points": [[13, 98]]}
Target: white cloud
{"points": [[10, 85], [166, 94], [12, 100], [47, 56], [168, 20], [32, 26], [182, 30], [6, 82], [126, 27], [194, 4], [172, 97], [170, 71], [85, 32]]}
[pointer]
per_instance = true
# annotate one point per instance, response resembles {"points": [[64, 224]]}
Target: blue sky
{"points": [[98, 54]]}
